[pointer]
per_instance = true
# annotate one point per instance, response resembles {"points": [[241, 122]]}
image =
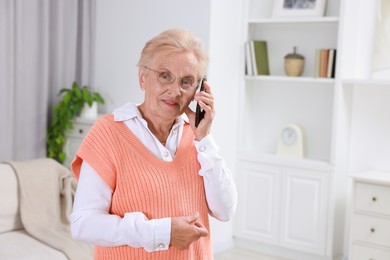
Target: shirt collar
{"points": [[126, 112]]}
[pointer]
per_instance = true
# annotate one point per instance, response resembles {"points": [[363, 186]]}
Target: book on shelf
{"points": [[334, 64], [330, 63], [256, 54], [325, 63], [317, 63], [248, 59], [253, 58], [261, 57]]}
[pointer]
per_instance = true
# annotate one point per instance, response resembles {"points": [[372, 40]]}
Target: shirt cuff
{"points": [[162, 233], [208, 155], [207, 144]]}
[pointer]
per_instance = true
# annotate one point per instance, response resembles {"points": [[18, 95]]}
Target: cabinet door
{"points": [[259, 202], [304, 210]]}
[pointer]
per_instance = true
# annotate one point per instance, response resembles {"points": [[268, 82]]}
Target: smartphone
{"points": [[199, 114]]}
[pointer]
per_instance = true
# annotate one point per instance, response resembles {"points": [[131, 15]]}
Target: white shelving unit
{"points": [[365, 129], [301, 208], [289, 207]]}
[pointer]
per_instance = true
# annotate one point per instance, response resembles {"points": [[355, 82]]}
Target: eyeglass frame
{"points": [[174, 78]]}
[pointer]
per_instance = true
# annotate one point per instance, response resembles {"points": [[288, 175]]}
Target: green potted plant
{"points": [[72, 102]]}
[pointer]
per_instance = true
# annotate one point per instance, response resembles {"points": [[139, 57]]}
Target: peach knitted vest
{"points": [[143, 183]]}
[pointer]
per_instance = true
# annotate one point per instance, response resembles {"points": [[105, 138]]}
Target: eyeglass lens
{"points": [[166, 77]]}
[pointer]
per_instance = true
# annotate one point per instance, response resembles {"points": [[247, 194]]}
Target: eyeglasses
{"points": [[166, 77]]}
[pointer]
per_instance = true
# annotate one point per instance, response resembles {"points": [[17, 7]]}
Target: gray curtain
{"points": [[45, 45]]}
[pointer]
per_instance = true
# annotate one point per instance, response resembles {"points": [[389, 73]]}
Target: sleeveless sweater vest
{"points": [[141, 182]]}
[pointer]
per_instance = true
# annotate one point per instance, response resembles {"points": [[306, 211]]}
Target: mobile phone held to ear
{"points": [[199, 114]]}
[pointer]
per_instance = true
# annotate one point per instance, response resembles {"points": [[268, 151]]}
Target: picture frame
{"points": [[299, 8]]}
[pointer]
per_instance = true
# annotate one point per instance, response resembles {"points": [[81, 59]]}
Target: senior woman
{"points": [[147, 177]]}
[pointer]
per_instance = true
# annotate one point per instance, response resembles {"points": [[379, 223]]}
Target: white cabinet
{"points": [[259, 205], [304, 209], [284, 205], [75, 136], [370, 216]]}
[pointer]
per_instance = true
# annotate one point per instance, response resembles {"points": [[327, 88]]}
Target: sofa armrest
{"points": [[9, 200]]}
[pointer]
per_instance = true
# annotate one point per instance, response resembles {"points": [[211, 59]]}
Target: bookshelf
{"points": [[290, 207], [280, 93], [301, 208]]}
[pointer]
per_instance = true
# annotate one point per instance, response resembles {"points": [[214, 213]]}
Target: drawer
{"points": [[359, 252], [372, 198], [374, 230], [79, 130]]}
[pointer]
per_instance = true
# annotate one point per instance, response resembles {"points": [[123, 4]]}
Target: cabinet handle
{"points": [[81, 131], [372, 230], [373, 199]]}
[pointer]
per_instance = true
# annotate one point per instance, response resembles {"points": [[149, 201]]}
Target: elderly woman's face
{"points": [[169, 100]]}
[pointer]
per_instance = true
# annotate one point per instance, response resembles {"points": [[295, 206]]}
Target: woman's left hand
{"points": [[206, 102]]}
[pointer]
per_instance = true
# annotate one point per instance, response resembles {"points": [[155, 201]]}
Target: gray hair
{"points": [[175, 40]]}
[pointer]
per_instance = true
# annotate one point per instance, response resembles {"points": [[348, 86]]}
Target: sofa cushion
{"points": [[9, 200], [19, 245]]}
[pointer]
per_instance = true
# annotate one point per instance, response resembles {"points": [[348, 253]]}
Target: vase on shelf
{"points": [[294, 64]]}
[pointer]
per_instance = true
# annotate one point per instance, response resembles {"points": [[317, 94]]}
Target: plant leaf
{"points": [[98, 98], [61, 157], [63, 90]]}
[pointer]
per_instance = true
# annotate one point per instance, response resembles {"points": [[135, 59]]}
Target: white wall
{"points": [[224, 76], [123, 27]]}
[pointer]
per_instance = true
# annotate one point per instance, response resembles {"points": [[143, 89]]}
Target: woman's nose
{"points": [[175, 87]]}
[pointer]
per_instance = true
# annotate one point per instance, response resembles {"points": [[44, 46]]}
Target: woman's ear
{"points": [[141, 78]]}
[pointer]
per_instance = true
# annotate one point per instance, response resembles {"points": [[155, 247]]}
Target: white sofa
{"points": [[15, 242], [35, 199]]}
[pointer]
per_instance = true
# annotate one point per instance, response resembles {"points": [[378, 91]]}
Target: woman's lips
{"points": [[170, 102]]}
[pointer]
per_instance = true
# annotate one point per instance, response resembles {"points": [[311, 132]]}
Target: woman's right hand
{"points": [[185, 230]]}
